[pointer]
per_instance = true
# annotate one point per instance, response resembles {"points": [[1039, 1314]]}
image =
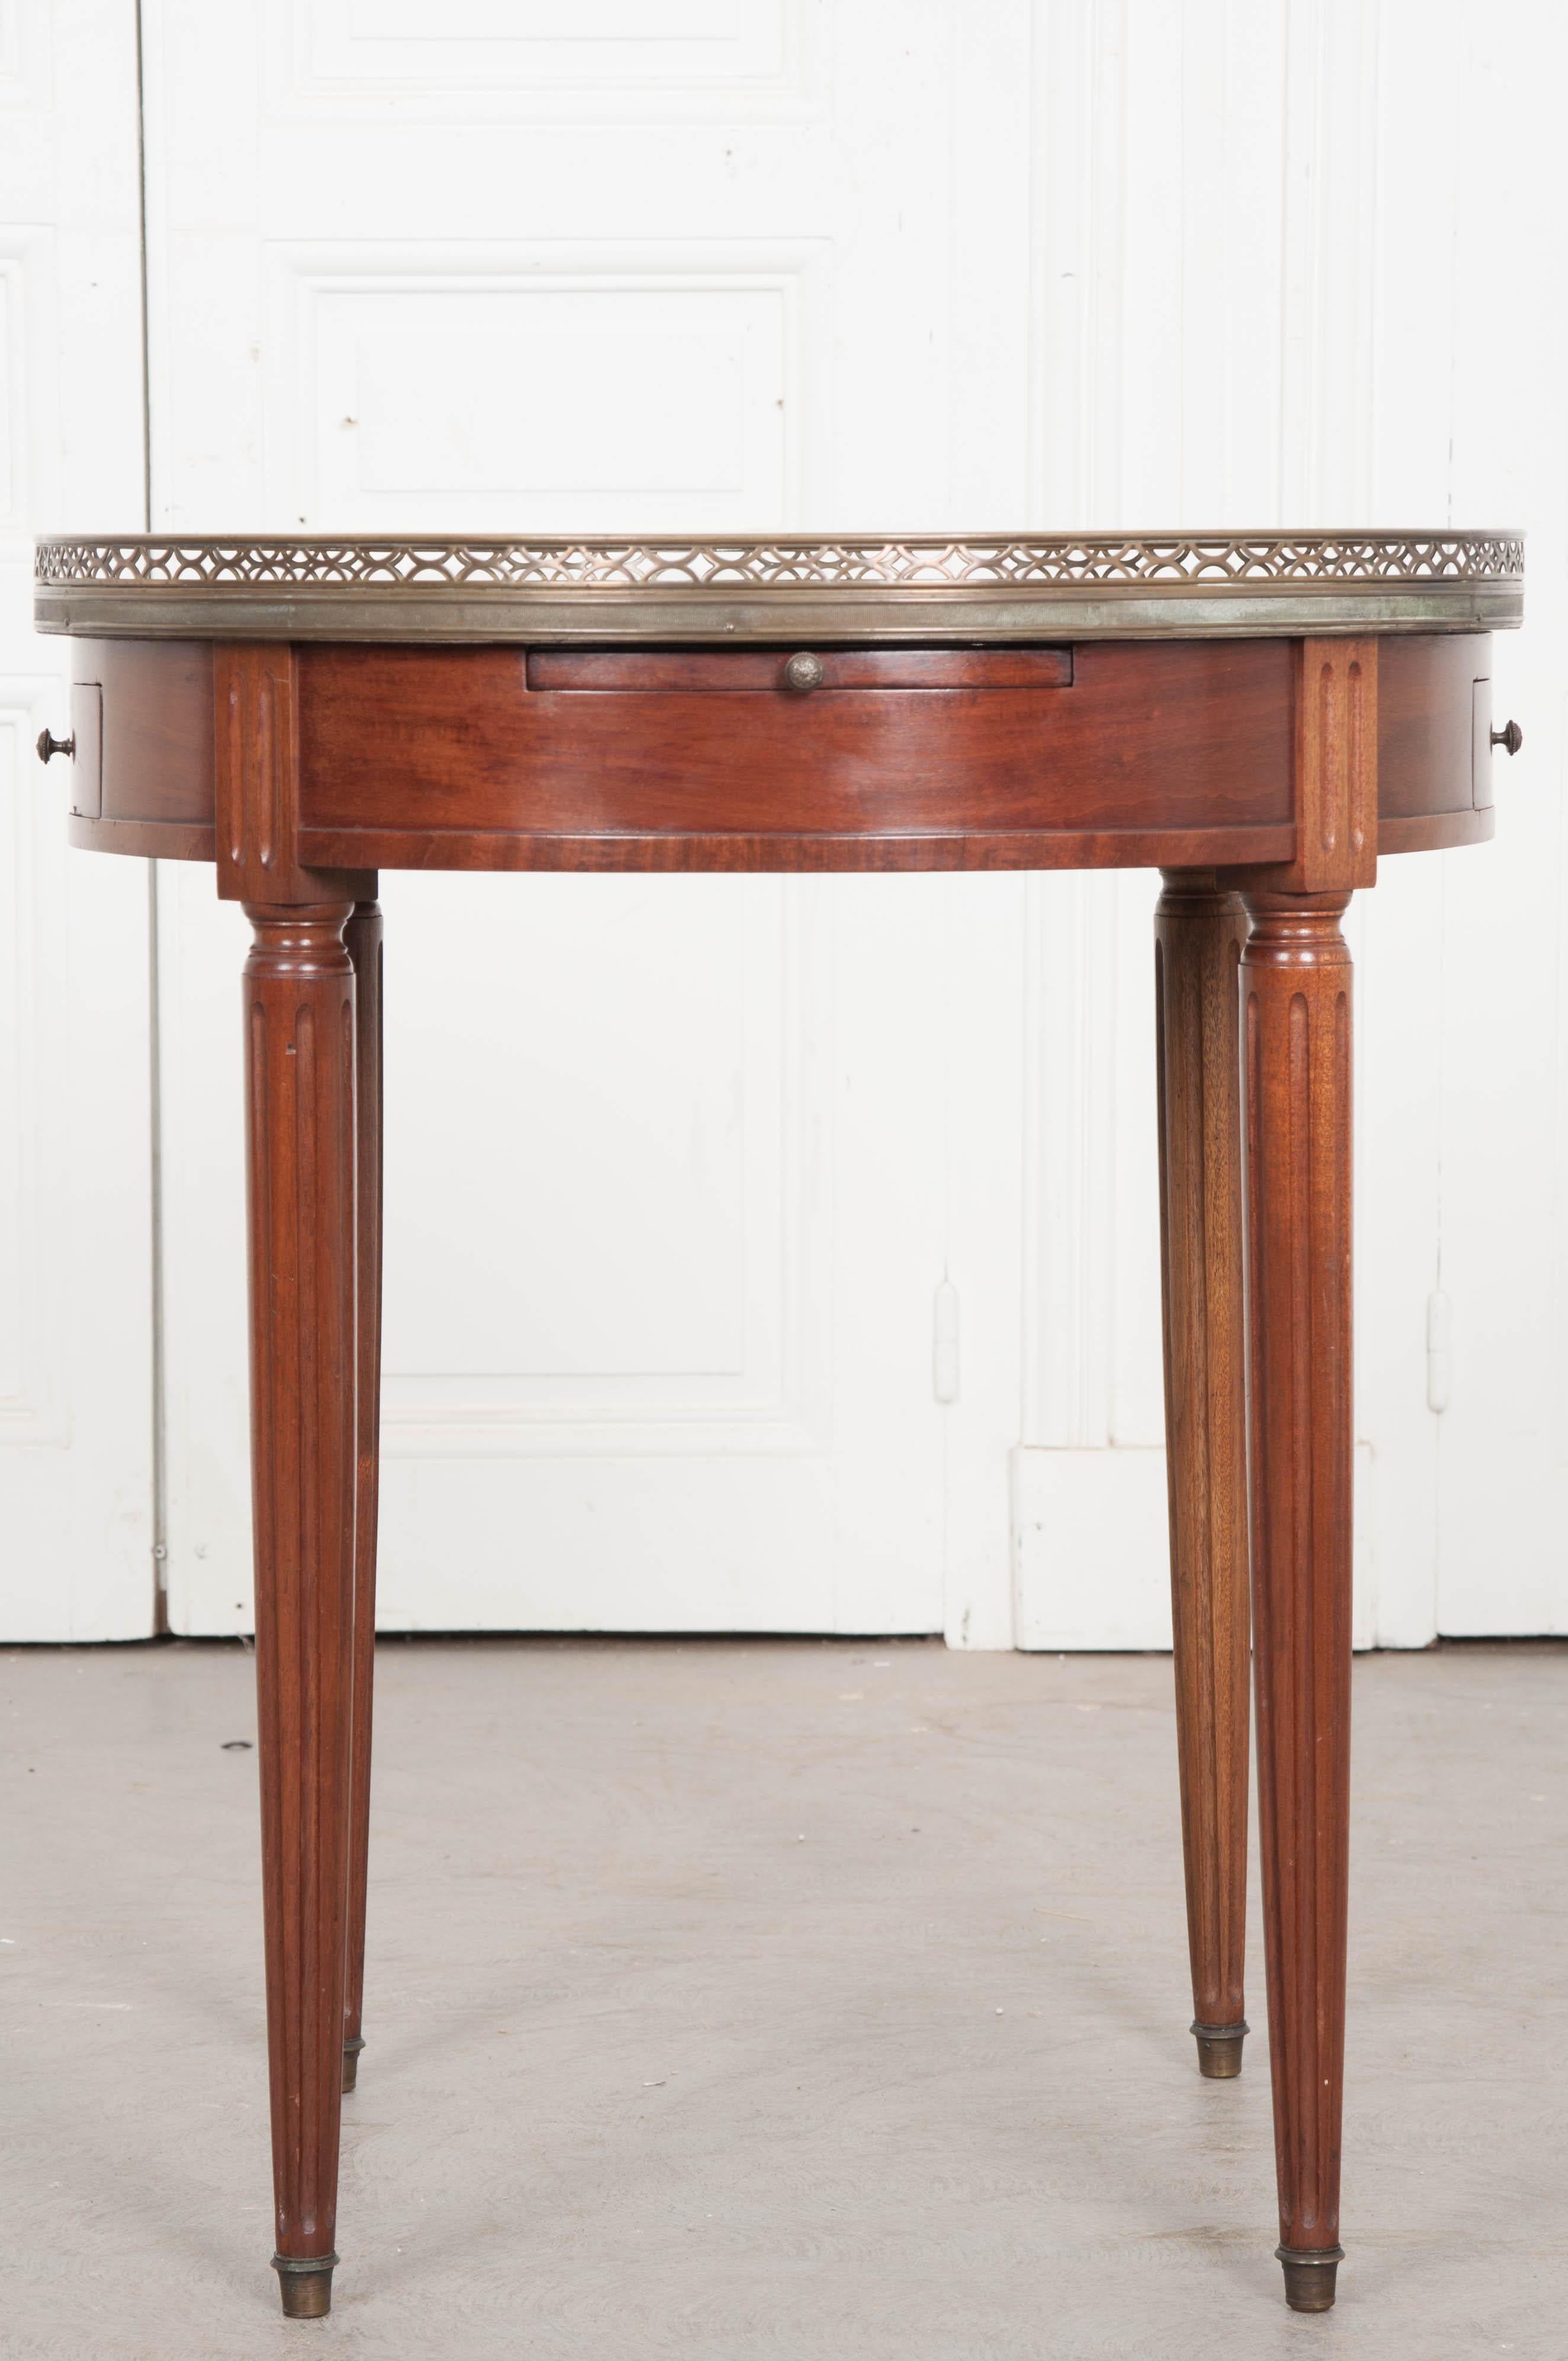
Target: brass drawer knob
{"points": [[1511, 735], [49, 745], [802, 672]]}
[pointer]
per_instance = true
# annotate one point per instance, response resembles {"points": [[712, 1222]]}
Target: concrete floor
{"points": [[774, 1998]]}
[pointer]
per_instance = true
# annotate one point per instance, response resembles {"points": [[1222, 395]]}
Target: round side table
{"points": [[1259, 716]]}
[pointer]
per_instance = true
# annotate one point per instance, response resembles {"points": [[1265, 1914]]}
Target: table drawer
{"points": [[902, 756], [797, 670]]}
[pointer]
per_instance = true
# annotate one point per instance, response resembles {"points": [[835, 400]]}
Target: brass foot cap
{"points": [[351, 2051], [305, 2282], [1220, 2050], [1309, 2279]]}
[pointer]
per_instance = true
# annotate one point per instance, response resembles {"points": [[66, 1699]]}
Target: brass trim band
{"points": [[750, 587]]}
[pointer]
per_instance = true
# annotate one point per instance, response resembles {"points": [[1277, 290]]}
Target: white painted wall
{"points": [[676, 1167], [660, 1298], [1301, 264], [76, 1429]]}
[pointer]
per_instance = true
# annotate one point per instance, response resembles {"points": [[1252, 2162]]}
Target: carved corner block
{"points": [[1336, 765], [1333, 775], [255, 768], [256, 772]]}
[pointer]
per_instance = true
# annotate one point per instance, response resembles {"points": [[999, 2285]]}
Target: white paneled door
{"points": [[677, 1168], [76, 1347]]}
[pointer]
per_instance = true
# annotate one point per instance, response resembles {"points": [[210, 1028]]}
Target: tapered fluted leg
{"points": [[1296, 1016], [362, 937], [299, 1001], [1198, 933]]}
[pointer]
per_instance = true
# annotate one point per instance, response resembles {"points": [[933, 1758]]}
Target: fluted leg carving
{"points": [[1198, 933], [1296, 1004], [299, 1001], [362, 938]]}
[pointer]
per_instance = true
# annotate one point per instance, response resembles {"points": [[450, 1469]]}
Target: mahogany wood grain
{"points": [[1425, 743], [869, 806], [153, 794], [1437, 831], [362, 939], [158, 700], [299, 1003], [1199, 932], [1435, 789], [774, 852], [256, 771], [1296, 997], [1334, 768], [451, 747], [255, 778], [763, 668]]}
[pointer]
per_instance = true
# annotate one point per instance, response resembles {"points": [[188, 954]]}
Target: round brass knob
{"points": [[1511, 735], [802, 672], [49, 745]]}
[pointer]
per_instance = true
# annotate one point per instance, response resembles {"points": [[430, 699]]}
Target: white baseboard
{"points": [[1090, 1549]]}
